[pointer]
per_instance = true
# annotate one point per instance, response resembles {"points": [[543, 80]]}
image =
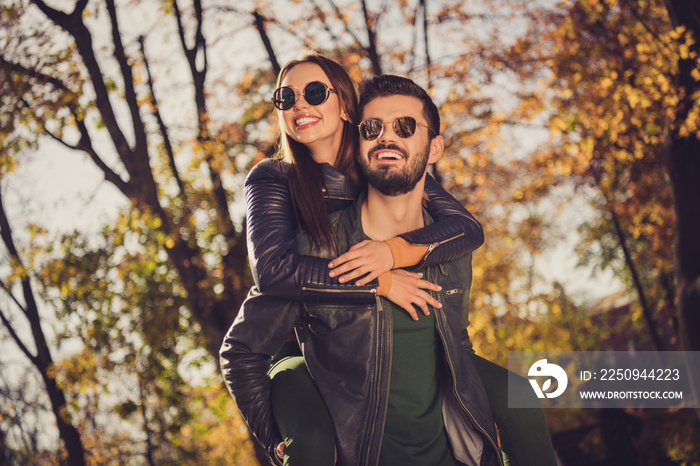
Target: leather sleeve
{"points": [[455, 232], [277, 268], [466, 341], [262, 326], [464, 315]]}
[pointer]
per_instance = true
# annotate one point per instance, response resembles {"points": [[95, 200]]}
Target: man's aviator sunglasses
{"points": [[315, 93], [404, 127]]}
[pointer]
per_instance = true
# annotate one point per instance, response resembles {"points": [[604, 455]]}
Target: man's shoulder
{"points": [[456, 273], [346, 227], [348, 222]]}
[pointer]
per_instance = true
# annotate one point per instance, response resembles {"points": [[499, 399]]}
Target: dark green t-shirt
{"points": [[414, 431]]}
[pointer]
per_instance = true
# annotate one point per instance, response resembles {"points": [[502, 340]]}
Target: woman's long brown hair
{"points": [[305, 176]]}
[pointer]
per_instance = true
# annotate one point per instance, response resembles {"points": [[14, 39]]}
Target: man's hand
{"points": [[407, 290], [370, 258]]}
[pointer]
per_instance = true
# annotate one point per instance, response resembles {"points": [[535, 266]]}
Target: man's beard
{"points": [[392, 182]]}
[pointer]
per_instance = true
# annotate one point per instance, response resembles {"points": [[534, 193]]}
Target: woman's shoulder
{"points": [[268, 170]]}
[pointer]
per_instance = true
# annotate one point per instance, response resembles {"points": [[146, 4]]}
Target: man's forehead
{"points": [[393, 106]]}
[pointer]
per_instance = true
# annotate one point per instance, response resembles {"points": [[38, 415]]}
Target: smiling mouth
{"points": [[305, 121], [387, 155]]}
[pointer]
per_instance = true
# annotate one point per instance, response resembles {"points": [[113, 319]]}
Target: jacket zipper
{"points": [[336, 290], [456, 394], [374, 440], [327, 196], [432, 246]]}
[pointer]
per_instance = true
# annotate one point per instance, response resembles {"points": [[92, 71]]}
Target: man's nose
{"points": [[388, 133]]}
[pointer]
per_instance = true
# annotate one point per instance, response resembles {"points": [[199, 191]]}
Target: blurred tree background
{"points": [[572, 123]]}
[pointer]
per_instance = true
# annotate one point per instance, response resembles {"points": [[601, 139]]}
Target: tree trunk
{"points": [[683, 164], [646, 309], [43, 360]]}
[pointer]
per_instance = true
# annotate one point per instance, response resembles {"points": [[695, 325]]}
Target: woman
{"points": [[318, 144], [318, 173]]}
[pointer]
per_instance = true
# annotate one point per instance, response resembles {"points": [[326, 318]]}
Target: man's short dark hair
{"points": [[387, 85]]}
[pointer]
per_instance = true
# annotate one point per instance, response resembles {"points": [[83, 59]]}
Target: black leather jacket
{"points": [[280, 271], [285, 276], [348, 350]]}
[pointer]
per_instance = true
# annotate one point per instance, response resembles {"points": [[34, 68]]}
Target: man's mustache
{"points": [[393, 147]]}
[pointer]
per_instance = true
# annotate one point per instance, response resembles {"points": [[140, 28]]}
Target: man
{"points": [[421, 399], [398, 391]]}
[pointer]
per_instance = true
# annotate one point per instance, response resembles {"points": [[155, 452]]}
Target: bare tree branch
{"points": [[161, 124], [74, 25], [347, 27], [428, 63], [414, 39], [146, 428], [85, 145], [646, 309], [324, 21], [260, 26], [129, 91], [9, 292], [43, 360], [371, 48], [13, 334], [226, 227]]}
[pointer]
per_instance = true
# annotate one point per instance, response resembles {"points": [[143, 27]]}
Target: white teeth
{"points": [[305, 120], [388, 156]]}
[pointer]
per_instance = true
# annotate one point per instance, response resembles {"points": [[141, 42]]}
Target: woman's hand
{"points": [[280, 450], [369, 257], [407, 290]]}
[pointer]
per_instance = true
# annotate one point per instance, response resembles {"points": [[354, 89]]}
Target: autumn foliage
{"points": [[560, 121]]}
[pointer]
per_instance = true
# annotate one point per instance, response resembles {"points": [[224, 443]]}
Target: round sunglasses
{"points": [[404, 127], [315, 93]]}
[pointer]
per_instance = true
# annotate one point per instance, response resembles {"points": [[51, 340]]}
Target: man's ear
{"points": [[437, 145]]}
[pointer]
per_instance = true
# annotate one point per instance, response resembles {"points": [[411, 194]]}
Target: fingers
{"points": [[420, 300], [422, 305], [342, 259], [354, 268], [429, 300], [347, 266], [280, 450], [411, 311], [426, 285], [358, 272], [410, 292], [365, 280], [351, 254], [359, 245]]}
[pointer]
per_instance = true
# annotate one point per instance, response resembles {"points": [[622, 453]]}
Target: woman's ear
{"points": [[344, 116]]}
